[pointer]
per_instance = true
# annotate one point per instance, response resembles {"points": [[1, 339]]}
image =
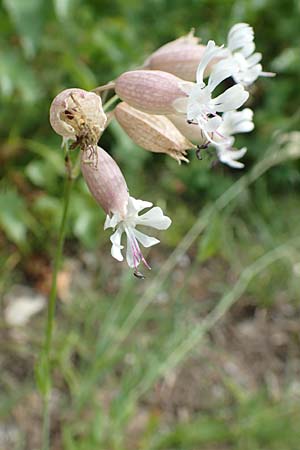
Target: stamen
{"points": [[199, 148], [139, 275], [192, 122], [140, 254], [137, 254]]}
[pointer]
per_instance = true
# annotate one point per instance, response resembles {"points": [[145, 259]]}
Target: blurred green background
{"points": [[135, 366]]}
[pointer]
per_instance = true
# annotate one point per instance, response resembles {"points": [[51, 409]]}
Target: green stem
{"points": [[45, 361], [44, 377], [110, 102]]}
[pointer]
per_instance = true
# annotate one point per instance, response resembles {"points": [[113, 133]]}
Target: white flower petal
{"points": [[222, 70], [237, 122], [130, 258], [146, 241], [246, 114], [238, 154], [254, 59], [244, 127], [211, 52], [233, 164], [213, 124], [230, 157], [231, 99], [198, 101], [247, 49], [251, 75], [241, 45], [135, 205], [107, 223], [154, 218], [239, 35], [116, 244], [111, 222]]}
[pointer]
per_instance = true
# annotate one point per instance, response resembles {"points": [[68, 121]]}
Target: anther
{"points": [[139, 275], [199, 148]]}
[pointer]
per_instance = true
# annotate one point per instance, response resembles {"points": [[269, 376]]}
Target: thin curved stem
{"points": [[104, 88], [43, 368], [110, 102], [46, 357]]}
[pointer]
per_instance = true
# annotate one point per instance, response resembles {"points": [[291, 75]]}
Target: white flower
{"points": [[153, 218], [229, 156], [234, 122], [200, 107], [237, 122], [241, 47]]}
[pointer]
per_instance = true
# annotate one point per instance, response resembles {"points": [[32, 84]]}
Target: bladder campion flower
{"points": [[200, 107], [234, 122], [180, 57], [150, 91], [108, 186], [240, 53], [155, 133], [127, 224]]}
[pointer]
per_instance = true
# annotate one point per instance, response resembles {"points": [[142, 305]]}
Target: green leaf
{"points": [[87, 221], [54, 156], [40, 174], [12, 213], [210, 241], [28, 18], [62, 8], [27, 86]]}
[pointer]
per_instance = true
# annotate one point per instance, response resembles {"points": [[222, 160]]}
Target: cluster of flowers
{"points": [[167, 106]]}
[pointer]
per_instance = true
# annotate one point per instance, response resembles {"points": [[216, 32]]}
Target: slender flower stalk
{"points": [[75, 115], [45, 360]]}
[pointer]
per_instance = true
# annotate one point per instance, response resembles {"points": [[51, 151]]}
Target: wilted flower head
{"points": [[150, 91], [200, 107], [152, 132], [78, 115], [127, 224], [180, 57], [245, 63]]}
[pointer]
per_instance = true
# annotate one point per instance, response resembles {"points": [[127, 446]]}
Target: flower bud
{"points": [[192, 131], [78, 115], [155, 133], [151, 91], [106, 182], [180, 57]]}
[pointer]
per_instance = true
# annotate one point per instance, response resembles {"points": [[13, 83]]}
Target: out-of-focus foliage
{"points": [[49, 46]]}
